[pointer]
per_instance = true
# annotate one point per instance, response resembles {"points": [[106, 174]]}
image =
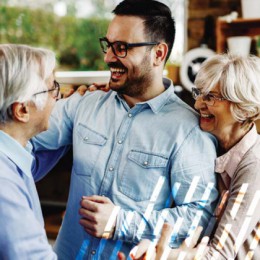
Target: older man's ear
{"points": [[20, 112]]}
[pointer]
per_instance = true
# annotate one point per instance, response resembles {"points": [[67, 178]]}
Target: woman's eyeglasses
{"points": [[209, 99], [55, 90]]}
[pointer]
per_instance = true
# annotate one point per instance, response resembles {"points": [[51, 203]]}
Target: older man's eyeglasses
{"points": [[55, 90], [120, 48], [209, 99]]}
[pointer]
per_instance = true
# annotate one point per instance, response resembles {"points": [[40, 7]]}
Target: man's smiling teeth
{"points": [[117, 70]]}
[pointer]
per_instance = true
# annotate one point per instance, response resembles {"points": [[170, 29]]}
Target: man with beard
{"points": [[137, 149]]}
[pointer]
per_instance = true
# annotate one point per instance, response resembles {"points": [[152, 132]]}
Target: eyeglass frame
{"points": [[56, 87], [208, 98], [127, 45]]}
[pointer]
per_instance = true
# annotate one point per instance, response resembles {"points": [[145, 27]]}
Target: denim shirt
{"points": [[22, 234], [145, 159]]}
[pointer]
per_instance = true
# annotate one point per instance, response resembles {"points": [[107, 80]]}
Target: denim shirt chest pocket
{"points": [[89, 145], [141, 174]]}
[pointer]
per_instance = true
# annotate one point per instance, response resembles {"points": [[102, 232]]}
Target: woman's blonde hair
{"points": [[239, 81]]}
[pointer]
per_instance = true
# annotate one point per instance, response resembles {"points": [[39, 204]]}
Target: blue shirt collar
{"points": [[16, 152], [157, 103]]}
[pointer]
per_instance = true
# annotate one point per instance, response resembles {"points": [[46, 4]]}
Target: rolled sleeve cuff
{"points": [[125, 226]]}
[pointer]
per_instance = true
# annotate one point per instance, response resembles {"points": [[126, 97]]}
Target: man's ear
{"points": [[20, 112], [160, 53]]}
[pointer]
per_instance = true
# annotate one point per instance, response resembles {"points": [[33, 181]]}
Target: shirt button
{"points": [[120, 141], [130, 115], [93, 252], [145, 163], [86, 138], [111, 169]]}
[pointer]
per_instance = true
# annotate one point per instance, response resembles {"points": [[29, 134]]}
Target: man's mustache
{"points": [[116, 65]]}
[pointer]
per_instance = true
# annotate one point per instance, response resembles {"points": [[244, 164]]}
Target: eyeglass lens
{"points": [[196, 93], [118, 48], [56, 91]]}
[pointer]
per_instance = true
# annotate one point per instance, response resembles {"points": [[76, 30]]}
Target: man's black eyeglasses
{"points": [[55, 89], [120, 48]]}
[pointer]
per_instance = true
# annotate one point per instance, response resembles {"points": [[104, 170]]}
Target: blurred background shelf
{"points": [[238, 27]]}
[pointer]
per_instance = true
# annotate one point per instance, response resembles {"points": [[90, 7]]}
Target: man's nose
{"points": [[110, 56]]}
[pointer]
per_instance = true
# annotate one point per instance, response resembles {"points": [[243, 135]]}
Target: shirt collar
{"points": [[157, 103], [229, 161], [16, 152]]}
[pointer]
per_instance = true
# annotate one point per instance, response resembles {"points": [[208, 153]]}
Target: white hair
{"points": [[239, 81], [24, 71]]}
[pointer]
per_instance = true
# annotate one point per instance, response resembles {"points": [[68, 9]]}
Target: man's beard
{"points": [[138, 83]]}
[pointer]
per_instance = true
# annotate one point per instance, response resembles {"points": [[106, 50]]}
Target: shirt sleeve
{"points": [[194, 192], [21, 235], [51, 145], [241, 214]]}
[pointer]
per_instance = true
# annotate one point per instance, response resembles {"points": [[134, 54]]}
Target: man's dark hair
{"points": [[158, 22]]}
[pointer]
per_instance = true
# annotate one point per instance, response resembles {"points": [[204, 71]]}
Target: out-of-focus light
{"points": [[60, 8], [84, 8]]}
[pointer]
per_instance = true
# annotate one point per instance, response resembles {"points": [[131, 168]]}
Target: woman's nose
{"points": [[199, 103]]}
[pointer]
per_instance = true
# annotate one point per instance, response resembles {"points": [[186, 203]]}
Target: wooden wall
{"points": [[209, 10]]}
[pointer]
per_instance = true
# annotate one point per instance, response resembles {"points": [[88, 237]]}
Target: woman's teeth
{"points": [[206, 116]]}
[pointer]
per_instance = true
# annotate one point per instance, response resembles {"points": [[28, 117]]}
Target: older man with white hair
{"points": [[28, 93]]}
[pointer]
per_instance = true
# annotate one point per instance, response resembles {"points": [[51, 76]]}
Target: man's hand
{"points": [[99, 86], [98, 216], [68, 93], [147, 250], [83, 88], [188, 249]]}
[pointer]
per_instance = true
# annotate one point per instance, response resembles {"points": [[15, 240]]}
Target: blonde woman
{"points": [[227, 97]]}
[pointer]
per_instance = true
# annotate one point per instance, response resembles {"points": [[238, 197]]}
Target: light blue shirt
{"points": [[22, 234], [143, 158]]}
